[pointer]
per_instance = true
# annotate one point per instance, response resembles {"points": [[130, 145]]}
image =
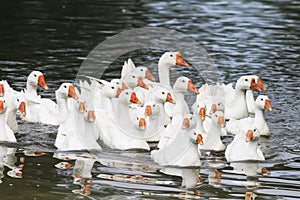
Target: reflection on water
{"points": [[245, 37]]}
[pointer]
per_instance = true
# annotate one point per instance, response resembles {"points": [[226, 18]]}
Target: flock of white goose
{"points": [[130, 112]]}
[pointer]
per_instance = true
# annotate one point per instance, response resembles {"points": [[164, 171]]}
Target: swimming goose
{"points": [[6, 134], [237, 97], [182, 151], [16, 102], [211, 139], [244, 147], [166, 61], [261, 104]]}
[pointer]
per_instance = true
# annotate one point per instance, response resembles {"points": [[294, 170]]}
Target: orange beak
{"points": [[213, 108], [148, 111], [199, 139], [1, 90], [118, 92], [192, 88], [249, 135], [141, 83], [254, 86], [142, 123], [81, 107], [170, 98], [72, 93], [202, 114], [180, 61], [124, 86], [91, 116], [186, 123], [134, 99], [261, 85], [22, 108], [1, 106], [268, 105], [68, 166], [221, 121], [18, 174], [149, 76], [41, 82]]}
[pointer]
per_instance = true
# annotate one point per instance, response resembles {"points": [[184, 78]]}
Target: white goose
{"points": [[244, 147], [237, 97], [16, 102], [118, 132], [262, 102], [211, 139], [182, 151], [166, 61], [6, 134], [53, 115]]}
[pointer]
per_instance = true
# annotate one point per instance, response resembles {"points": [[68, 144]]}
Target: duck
{"points": [[212, 139], [245, 147], [182, 151], [262, 103], [237, 97], [6, 134]]}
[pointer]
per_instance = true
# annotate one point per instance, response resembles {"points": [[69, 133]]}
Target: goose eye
{"points": [[246, 79], [254, 129], [261, 99], [163, 92], [137, 118], [142, 70], [77, 101], [117, 83], [86, 111], [198, 106], [216, 115], [3, 101], [153, 105], [171, 55], [65, 86], [191, 118], [219, 104], [34, 75], [195, 134], [133, 76], [183, 81], [112, 87], [127, 93], [18, 100]]}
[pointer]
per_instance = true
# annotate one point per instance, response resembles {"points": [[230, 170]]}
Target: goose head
{"points": [[3, 105], [189, 121], [251, 82], [132, 80], [196, 137], [17, 102], [89, 115], [140, 122], [144, 73], [199, 108], [170, 59], [36, 78], [218, 119], [129, 96], [1, 89], [163, 95], [252, 134], [151, 109], [111, 90], [263, 102], [217, 106], [67, 90], [184, 84]]}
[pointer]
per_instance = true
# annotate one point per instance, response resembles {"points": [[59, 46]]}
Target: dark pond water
{"points": [[245, 37]]}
